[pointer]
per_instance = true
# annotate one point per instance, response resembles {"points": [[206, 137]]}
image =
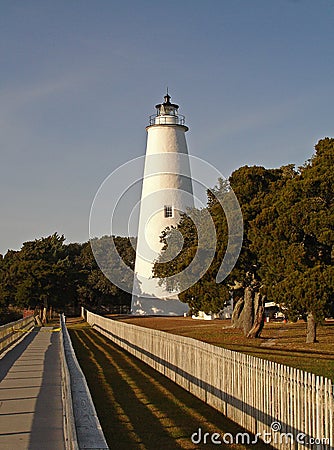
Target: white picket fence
{"points": [[287, 407]]}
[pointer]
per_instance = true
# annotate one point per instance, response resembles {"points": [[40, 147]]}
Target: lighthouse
{"points": [[166, 194]]}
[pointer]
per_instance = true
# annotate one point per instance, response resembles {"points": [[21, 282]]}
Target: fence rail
{"points": [[82, 427], [11, 332], [286, 407]]}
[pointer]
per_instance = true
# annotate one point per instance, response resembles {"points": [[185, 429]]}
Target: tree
{"points": [[47, 273], [6, 286], [39, 272], [293, 238], [95, 290], [39, 275], [251, 185]]}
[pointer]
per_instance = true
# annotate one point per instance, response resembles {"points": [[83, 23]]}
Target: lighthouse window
{"points": [[168, 211]]}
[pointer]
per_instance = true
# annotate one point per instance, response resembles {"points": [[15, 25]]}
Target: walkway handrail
{"points": [[81, 423], [11, 332], [70, 434]]}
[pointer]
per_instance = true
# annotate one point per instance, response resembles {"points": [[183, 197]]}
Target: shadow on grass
{"points": [[140, 408]]}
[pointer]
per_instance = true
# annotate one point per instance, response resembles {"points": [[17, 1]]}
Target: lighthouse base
{"points": [[143, 306], [149, 298]]}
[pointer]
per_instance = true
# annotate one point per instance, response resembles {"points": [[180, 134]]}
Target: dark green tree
{"points": [[37, 275], [251, 185], [41, 272], [95, 290], [293, 239]]}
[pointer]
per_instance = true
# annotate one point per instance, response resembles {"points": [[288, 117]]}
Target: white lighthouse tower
{"points": [[166, 193]]}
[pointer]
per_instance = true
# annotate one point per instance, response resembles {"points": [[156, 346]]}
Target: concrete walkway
{"points": [[31, 415]]}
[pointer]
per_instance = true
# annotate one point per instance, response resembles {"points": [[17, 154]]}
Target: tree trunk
{"points": [[311, 330], [258, 317], [248, 313], [243, 312], [236, 312]]}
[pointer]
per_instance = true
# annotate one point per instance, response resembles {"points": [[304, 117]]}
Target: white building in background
{"points": [[166, 192]]}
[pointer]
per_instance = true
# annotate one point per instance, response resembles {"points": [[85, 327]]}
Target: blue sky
{"points": [[79, 79]]}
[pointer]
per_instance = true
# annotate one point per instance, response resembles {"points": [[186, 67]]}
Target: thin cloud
{"points": [[17, 97]]}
